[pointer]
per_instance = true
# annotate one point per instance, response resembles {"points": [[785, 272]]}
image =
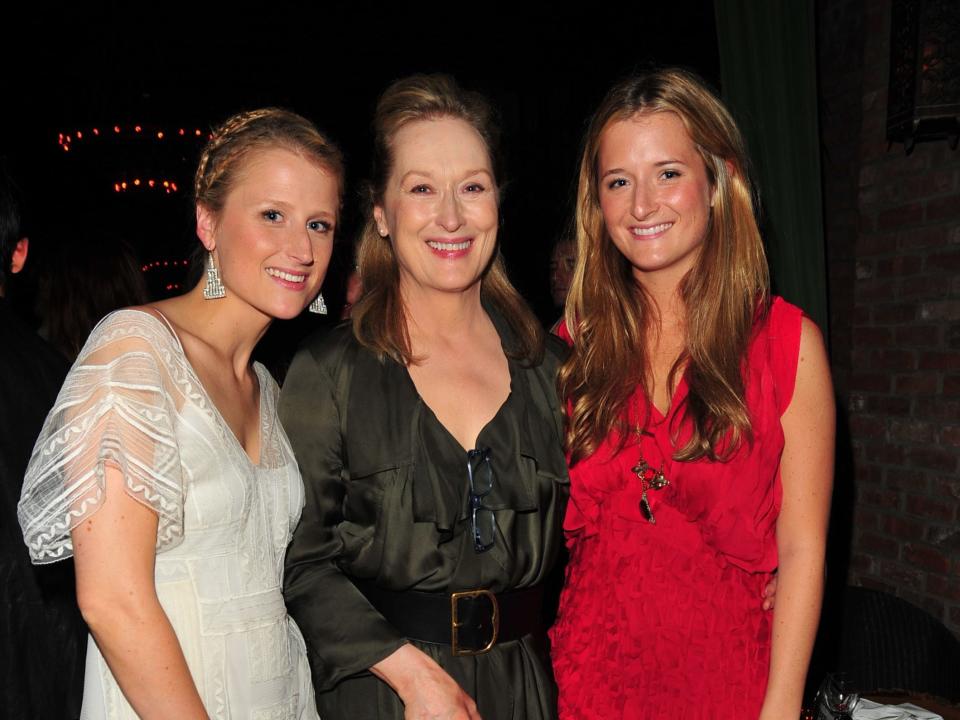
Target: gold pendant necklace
{"points": [[650, 479]]}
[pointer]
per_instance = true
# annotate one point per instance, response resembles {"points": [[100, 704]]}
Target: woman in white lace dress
{"points": [[162, 468]]}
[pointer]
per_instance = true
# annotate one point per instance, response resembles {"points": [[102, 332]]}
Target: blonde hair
{"points": [[251, 131], [610, 316], [379, 321]]}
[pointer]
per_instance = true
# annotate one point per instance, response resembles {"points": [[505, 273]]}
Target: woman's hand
{"points": [[427, 692], [770, 594]]}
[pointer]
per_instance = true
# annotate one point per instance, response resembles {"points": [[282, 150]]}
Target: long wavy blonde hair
{"points": [[610, 316], [379, 320]]}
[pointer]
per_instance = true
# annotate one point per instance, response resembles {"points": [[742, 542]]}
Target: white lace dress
{"points": [[132, 399]]}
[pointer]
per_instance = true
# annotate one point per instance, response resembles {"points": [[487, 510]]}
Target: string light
{"points": [[140, 131], [147, 267], [168, 186]]}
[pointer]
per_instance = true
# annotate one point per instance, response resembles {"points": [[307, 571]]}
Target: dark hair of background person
{"points": [[43, 636], [379, 321], [9, 221], [83, 282]]}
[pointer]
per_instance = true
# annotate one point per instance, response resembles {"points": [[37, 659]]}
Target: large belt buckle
{"points": [[455, 624]]}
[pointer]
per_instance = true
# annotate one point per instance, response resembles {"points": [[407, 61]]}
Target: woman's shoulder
{"points": [[777, 345], [329, 348], [325, 361], [555, 351], [134, 329], [782, 315]]}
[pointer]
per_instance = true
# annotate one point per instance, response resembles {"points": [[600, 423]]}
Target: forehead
{"points": [[279, 167], [439, 144], [647, 137]]}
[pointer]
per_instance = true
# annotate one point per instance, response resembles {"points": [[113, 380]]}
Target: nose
{"points": [[301, 246], [450, 212], [644, 201]]}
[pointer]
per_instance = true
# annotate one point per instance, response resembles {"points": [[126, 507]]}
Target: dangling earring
{"points": [[318, 306], [214, 289]]}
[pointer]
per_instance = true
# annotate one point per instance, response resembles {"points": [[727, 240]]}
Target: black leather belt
{"points": [[471, 622]]}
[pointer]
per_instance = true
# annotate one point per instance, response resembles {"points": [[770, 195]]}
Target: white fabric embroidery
{"points": [[133, 400]]}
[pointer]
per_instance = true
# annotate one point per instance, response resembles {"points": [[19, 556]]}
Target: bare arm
{"points": [[114, 557], [806, 471]]}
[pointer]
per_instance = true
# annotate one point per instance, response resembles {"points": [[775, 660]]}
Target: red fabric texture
{"points": [[664, 620]]}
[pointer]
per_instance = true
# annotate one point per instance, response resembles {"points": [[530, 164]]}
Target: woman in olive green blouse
{"points": [[429, 438]]}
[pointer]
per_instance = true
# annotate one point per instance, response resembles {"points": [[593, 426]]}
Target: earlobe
{"points": [[19, 257], [206, 223], [380, 221]]}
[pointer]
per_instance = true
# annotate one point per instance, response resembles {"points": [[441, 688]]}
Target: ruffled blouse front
{"points": [[387, 501]]}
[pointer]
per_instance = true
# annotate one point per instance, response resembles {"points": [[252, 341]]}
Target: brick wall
{"points": [[893, 235]]}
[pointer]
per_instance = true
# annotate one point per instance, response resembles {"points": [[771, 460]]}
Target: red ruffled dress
{"points": [[664, 620]]}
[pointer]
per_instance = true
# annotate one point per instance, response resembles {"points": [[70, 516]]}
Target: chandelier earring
{"points": [[318, 306], [214, 289]]}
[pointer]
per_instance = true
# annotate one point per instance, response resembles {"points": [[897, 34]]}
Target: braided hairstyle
{"points": [[252, 131]]}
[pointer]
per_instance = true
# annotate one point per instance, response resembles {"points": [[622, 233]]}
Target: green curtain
{"points": [[768, 71]]}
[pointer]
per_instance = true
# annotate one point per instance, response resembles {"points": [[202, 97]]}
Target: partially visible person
{"points": [[563, 258], [354, 291], [163, 469], [82, 283], [429, 436], [700, 429], [42, 637]]}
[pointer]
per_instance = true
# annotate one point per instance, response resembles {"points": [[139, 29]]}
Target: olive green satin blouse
{"points": [[387, 499]]}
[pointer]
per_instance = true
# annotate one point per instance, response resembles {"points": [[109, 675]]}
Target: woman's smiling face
{"points": [[655, 194], [440, 206], [274, 235]]}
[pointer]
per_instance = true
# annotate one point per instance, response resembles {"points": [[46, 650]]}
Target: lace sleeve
{"points": [[116, 405]]}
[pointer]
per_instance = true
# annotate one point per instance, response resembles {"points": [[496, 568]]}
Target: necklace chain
{"points": [[650, 479]]}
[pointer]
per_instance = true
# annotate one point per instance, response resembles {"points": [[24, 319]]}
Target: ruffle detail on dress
{"points": [[652, 631]]}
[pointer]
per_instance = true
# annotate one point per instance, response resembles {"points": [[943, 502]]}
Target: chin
{"points": [[286, 313]]}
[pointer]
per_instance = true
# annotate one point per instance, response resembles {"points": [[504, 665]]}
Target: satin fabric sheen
{"points": [[387, 500]]}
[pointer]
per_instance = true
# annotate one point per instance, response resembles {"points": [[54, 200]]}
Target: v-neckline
{"points": [[675, 398], [446, 431], [215, 411]]}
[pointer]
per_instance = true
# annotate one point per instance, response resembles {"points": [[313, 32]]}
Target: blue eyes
{"points": [[318, 226]]}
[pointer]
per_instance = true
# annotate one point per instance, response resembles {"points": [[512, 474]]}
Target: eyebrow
{"points": [[660, 163], [427, 174], [283, 205]]}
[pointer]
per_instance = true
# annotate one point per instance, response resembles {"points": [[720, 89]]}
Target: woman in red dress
{"points": [[700, 434]]}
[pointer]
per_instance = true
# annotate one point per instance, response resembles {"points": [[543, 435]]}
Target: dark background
{"points": [[167, 67]]}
